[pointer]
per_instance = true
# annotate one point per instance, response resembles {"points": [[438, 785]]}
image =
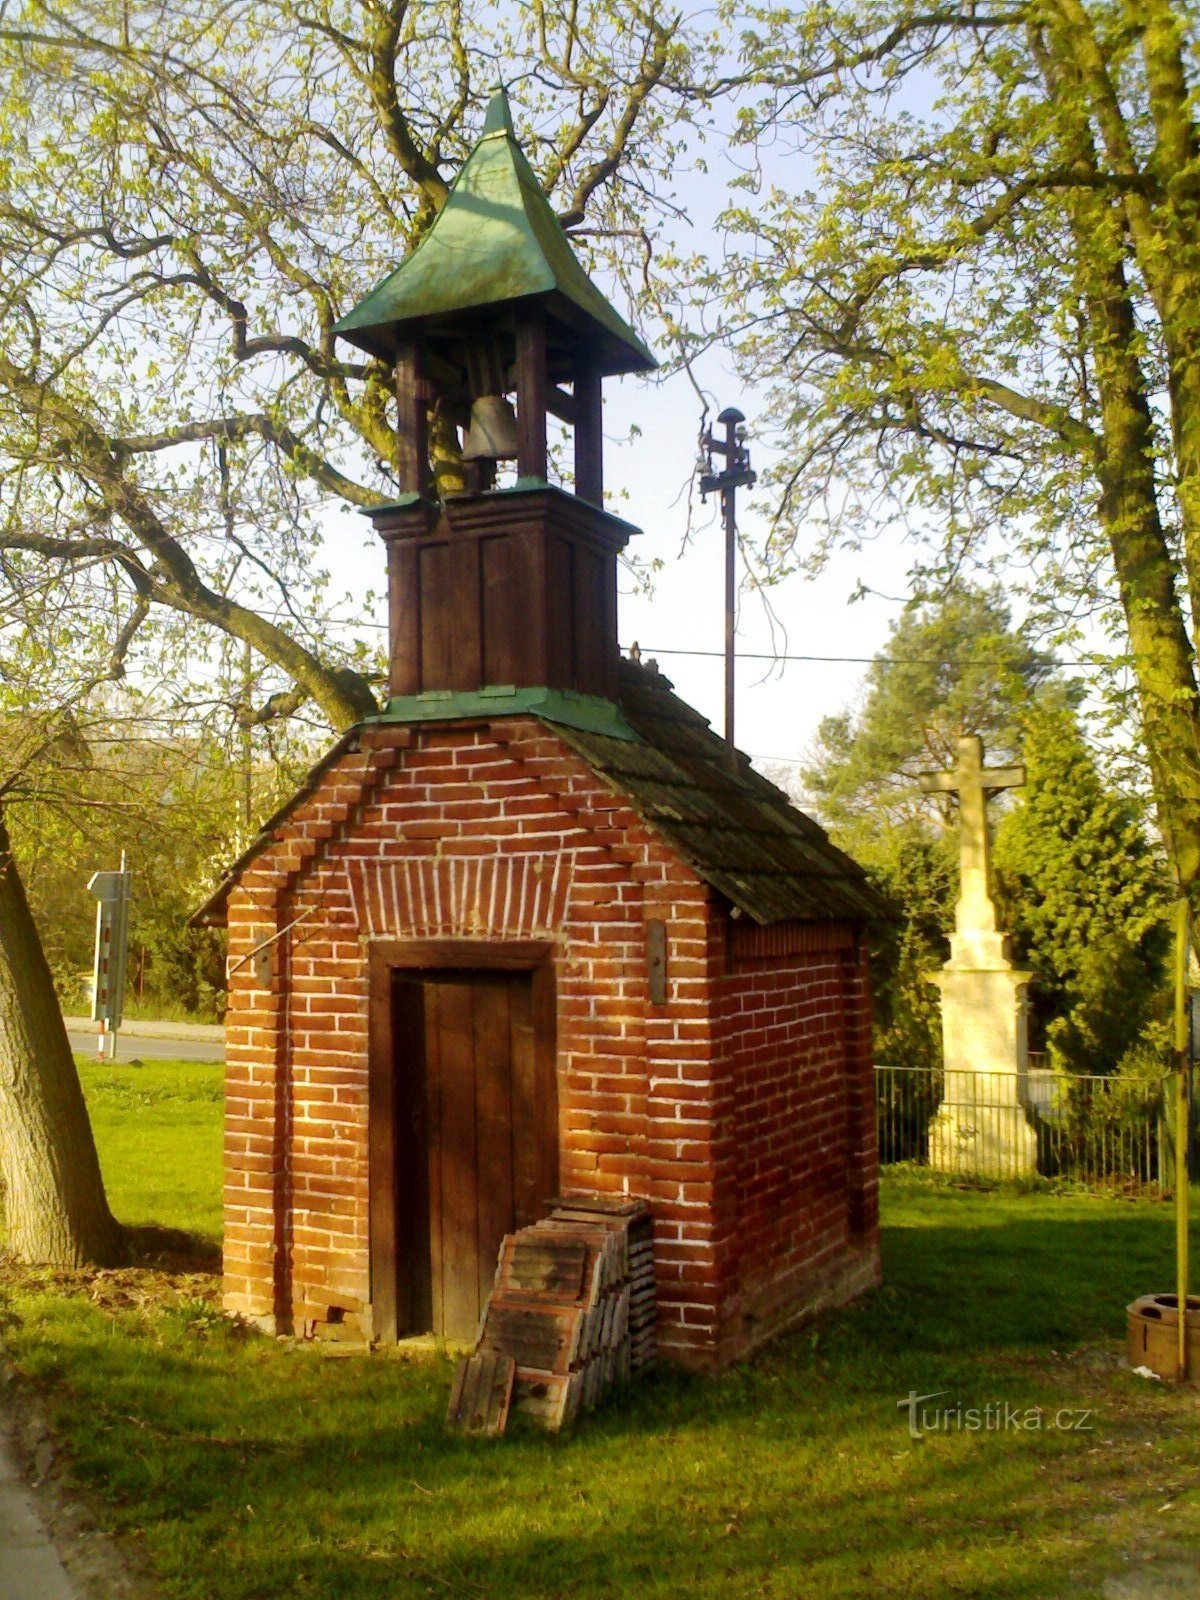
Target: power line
{"points": [[784, 655], [864, 661]]}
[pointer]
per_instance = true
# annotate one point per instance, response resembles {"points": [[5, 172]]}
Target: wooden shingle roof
{"points": [[737, 831]]}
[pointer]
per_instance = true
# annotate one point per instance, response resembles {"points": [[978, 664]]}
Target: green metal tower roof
{"points": [[496, 240]]}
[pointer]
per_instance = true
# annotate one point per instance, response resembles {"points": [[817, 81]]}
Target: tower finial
{"points": [[499, 113]]}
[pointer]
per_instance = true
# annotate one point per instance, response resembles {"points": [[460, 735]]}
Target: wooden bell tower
{"points": [[493, 325]]}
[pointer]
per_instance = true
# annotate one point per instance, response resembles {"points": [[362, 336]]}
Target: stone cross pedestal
{"points": [[981, 1125]]}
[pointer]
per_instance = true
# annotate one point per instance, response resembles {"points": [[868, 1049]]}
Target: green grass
{"points": [[249, 1468], [158, 1131], [161, 1009]]}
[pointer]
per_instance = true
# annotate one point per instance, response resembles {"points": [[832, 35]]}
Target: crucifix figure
{"points": [[975, 784]]}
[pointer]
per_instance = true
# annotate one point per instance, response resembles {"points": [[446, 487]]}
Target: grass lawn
{"points": [[248, 1467], [158, 1130]]}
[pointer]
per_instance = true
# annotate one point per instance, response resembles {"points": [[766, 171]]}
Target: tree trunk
{"points": [[54, 1196], [1163, 654]]}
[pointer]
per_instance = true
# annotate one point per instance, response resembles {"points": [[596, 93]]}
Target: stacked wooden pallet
{"points": [[630, 1219], [643, 1301], [572, 1309]]}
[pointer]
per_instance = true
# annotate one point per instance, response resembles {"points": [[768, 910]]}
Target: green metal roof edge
{"points": [[563, 263], [546, 263], [520, 487], [588, 712], [401, 503]]}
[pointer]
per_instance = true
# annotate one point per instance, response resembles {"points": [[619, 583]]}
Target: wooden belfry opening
{"points": [[464, 1124], [495, 587], [533, 354], [494, 302]]}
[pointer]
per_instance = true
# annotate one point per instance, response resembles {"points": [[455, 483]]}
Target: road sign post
{"points": [[111, 890]]}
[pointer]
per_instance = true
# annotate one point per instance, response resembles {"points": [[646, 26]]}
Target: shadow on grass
{"points": [[337, 1480], [170, 1249], [255, 1470]]}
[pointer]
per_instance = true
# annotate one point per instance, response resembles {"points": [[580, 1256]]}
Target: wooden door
{"points": [[476, 1137]]}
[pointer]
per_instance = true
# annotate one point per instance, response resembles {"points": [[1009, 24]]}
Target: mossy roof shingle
{"points": [[737, 831]]}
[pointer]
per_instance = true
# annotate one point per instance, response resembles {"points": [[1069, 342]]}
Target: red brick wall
{"points": [[501, 832], [794, 1011]]}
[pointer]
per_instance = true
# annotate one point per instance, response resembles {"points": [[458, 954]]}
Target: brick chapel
{"points": [[529, 932]]}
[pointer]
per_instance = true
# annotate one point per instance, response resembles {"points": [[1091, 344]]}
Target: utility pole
{"points": [[735, 474]]}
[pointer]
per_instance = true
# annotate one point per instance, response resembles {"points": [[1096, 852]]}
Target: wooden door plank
{"points": [[381, 1155], [526, 1159], [544, 1131], [413, 1286], [433, 1095], [457, 1147], [493, 1120]]}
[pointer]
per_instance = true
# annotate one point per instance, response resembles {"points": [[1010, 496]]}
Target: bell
{"points": [[492, 434]]}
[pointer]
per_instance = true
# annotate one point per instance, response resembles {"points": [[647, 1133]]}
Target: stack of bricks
{"points": [[572, 1311]]}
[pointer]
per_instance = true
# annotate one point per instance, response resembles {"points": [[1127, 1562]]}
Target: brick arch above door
{"points": [[494, 897]]}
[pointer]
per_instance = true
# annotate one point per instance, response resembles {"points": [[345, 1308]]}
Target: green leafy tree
{"points": [[1085, 895], [175, 807], [977, 307], [951, 667], [189, 198], [916, 869]]}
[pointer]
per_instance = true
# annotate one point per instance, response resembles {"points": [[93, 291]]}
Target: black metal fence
{"points": [[1108, 1132]]}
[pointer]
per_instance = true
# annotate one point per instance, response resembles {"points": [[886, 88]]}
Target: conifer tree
{"points": [[1085, 894]]}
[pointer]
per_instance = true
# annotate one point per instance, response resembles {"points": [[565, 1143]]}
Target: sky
{"points": [[651, 434], [651, 430], [779, 705]]}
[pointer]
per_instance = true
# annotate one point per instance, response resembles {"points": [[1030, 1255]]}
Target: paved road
{"points": [[139, 1048], [29, 1564]]}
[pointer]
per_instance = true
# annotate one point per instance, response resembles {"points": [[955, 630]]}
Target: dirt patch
{"points": [[165, 1269]]}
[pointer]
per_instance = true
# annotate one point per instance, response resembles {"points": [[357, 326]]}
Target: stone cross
{"points": [[974, 784]]}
